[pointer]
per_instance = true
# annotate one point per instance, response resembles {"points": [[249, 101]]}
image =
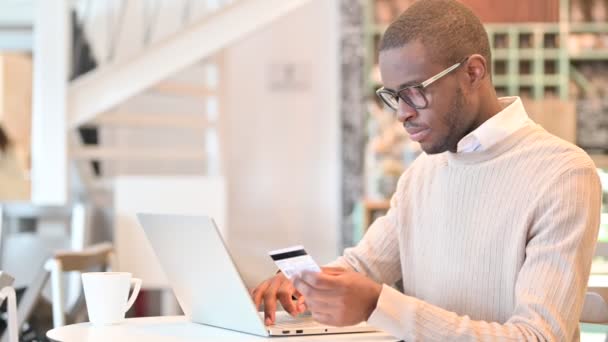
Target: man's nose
{"points": [[405, 111]]}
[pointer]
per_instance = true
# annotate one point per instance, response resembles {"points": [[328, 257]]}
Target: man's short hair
{"points": [[447, 29]]}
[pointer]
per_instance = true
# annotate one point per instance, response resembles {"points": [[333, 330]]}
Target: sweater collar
{"points": [[495, 150]]}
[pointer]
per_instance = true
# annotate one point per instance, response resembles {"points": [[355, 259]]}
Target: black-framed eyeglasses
{"points": [[413, 95]]}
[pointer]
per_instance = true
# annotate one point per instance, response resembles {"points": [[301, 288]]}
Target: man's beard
{"points": [[457, 128]]}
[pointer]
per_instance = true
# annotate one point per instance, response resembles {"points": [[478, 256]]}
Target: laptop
{"points": [[207, 283]]}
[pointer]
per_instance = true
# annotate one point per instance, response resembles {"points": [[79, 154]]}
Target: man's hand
{"points": [[338, 297], [277, 287]]}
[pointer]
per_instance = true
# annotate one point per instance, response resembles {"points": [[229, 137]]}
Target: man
{"points": [[491, 230]]}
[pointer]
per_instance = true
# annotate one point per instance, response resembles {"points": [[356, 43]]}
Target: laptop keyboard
{"points": [[304, 324], [284, 320]]}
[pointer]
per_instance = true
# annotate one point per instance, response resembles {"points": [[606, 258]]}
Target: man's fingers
{"points": [[319, 281], [270, 300], [284, 294], [296, 292], [270, 307], [309, 291], [333, 270], [300, 301], [300, 304], [258, 294]]}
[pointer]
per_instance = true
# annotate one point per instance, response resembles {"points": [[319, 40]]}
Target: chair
{"points": [[8, 292], [595, 309], [97, 257]]}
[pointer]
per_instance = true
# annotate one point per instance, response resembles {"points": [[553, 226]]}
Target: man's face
{"points": [[440, 125]]}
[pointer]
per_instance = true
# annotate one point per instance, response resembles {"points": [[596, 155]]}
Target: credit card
{"points": [[293, 260]]}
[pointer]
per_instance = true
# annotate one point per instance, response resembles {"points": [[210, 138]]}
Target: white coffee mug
{"points": [[106, 295]]}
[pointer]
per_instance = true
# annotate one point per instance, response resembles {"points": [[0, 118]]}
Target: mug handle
{"points": [[136, 283]]}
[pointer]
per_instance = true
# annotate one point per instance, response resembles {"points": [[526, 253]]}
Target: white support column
{"points": [[51, 66]]}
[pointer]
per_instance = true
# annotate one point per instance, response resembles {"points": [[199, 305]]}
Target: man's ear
{"points": [[476, 69]]}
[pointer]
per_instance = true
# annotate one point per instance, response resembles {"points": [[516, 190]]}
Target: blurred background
{"points": [[260, 113]]}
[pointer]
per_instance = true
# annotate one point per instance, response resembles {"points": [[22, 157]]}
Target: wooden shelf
{"points": [[524, 27], [527, 80], [589, 27], [551, 53], [528, 53], [594, 55], [500, 54], [552, 80]]}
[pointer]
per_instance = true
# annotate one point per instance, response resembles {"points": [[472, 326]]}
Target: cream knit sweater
{"points": [[491, 245]]}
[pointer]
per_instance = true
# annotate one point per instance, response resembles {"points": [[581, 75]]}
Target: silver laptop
{"points": [[207, 283]]}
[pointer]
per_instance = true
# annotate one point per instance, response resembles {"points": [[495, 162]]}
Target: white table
{"points": [[179, 329]]}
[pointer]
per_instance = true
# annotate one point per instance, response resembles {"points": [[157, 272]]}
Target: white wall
{"points": [[282, 148]]}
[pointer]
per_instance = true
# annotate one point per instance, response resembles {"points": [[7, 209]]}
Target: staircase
{"points": [[151, 105]]}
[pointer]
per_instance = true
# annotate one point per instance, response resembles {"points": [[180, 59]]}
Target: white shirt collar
{"points": [[504, 123]]}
